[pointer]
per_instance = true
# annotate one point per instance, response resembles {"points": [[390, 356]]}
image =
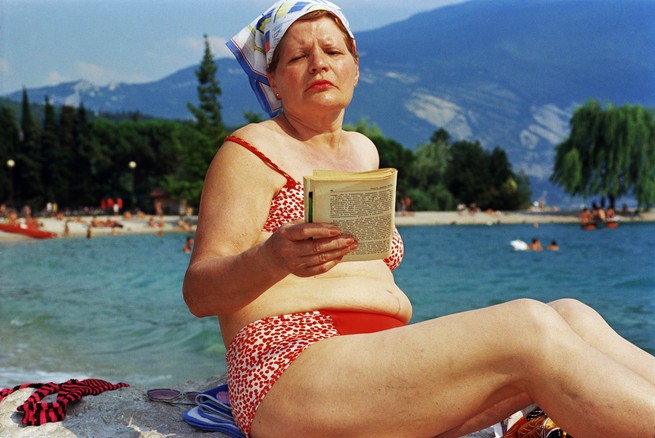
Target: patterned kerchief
{"points": [[254, 45]]}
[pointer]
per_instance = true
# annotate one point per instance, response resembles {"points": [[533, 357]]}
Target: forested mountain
{"points": [[505, 72]]}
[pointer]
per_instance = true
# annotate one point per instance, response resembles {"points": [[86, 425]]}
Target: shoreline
{"points": [[78, 226], [421, 218], [81, 226]]}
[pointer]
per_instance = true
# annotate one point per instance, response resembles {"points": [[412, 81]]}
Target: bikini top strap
{"points": [[264, 158]]}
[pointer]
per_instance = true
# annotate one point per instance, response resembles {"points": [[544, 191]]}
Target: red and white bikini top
{"points": [[288, 204]]}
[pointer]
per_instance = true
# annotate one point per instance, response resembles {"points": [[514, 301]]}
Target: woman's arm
{"points": [[231, 264]]}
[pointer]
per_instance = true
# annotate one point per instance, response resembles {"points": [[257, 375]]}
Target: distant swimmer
{"points": [[536, 245], [553, 246], [188, 245]]}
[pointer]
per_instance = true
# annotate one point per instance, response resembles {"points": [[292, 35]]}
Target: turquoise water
{"points": [[111, 307]]}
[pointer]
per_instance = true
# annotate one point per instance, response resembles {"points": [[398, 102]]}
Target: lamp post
{"points": [[10, 165], [132, 166]]}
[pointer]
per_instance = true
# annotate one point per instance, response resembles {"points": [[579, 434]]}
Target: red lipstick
{"points": [[320, 85]]}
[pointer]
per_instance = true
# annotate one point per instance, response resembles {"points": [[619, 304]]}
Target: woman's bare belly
{"points": [[355, 286]]}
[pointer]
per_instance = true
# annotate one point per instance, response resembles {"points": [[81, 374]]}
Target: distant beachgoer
{"points": [[597, 213], [535, 245], [188, 245], [625, 211], [12, 218], [185, 223], [553, 246], [610, 218], [159, 211], [26, 212], [587, 219]]}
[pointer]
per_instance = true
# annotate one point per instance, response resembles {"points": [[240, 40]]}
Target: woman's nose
{"points": [[318, 61]]}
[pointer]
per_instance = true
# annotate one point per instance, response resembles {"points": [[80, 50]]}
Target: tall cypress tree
{"points": [[54, 162], [83, 190], [208, 113], [9, 138], [27, 173]]}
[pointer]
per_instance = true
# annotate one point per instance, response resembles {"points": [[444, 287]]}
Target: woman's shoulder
{"points": [[252, 132], [364, 145], [263, 136], [357, 137]]}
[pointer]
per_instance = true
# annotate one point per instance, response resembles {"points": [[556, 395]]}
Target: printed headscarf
{"points": [[254, 45]]}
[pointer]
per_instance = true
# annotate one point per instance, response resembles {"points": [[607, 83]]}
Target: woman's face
{"points": [[315, 68]]}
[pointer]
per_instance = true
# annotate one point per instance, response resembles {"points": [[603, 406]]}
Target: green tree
{"points": [[28, 183], [477, 176], [642, 158], [392, 153], [610, 152], [55, 161], [428, 171], [9, 143], [208, 113], [83, 187], [467, 175]]}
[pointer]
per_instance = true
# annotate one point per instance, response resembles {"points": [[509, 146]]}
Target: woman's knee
{"points": [[584, 320], [573, 311], [538, 323], [536, 315]]}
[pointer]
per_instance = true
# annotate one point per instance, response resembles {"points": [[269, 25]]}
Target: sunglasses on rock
{"points": [[173, 396]]}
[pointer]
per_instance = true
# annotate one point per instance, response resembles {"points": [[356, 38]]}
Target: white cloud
{"points": [[94, 73], [4, 66], [100, 75], [184, 52], [197, 46], [55, 78]]}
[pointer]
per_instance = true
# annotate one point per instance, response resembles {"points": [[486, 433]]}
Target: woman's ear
{"points": [[271, 83]]}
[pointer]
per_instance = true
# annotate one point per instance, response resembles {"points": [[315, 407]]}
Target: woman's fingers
{"points": [[305, 231], [311, 249]]}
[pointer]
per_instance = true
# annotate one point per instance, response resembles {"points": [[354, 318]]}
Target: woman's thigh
{"points": [[418, 380]]}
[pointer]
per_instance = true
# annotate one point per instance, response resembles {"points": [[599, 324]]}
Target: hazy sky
{"points": [[46, 42]]}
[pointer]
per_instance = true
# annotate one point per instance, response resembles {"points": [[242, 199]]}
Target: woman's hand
{"points": [[306, 249]]}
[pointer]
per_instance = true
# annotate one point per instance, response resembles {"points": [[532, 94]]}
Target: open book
{"points": [[362, 204]]}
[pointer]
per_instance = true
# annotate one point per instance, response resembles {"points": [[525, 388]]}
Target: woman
{"points": [[320, 348]]}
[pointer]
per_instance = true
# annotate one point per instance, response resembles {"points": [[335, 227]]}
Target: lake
{"points": [[111, 307]]}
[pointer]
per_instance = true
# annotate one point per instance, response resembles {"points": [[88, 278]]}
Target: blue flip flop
{"points": [[216, 399], [214, 413], [229, 428]]}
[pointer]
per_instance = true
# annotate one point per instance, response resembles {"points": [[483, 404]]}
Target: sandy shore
{"points": [[521, 217], [79, 226]]}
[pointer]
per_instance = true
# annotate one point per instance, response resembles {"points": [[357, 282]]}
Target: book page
{"points": [[362, 207]]}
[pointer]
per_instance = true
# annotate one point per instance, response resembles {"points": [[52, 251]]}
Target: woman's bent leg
{"points": [[432, 377], [589, 325]]}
